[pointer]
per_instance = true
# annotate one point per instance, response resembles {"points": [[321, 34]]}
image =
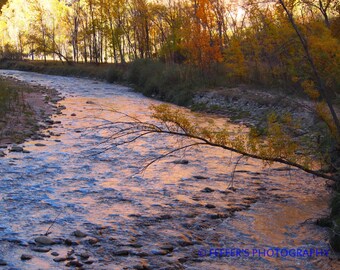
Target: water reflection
{"points": [[107, 196]]}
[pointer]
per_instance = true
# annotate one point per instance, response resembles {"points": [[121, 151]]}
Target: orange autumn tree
{"points": [[201, 45]]}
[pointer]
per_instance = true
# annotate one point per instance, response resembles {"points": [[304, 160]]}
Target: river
{"points": [[172, 216]]}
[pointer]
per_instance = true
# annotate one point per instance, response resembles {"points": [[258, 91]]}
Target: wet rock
{"points": [[44, 240], [69, 242], [49, 121], [219, 216], [141, 267], [26, 151], [210, 206], [41, 250], [15, 148], [123, 252], [159, 252], [3, 263], [26, 257], [262, 188], [23, 243], [73, 114], [200, 177], [93, 241], [181, 161], [183, 259], [40, 144], [2, 154], [167, 247], [3, 146], [207, 190], [88, 262], [142, 254], [84, 255], [135, 245], [60, 259], [57, 140], [74, 263], [79, 234], [54, 253], [89, 102]]}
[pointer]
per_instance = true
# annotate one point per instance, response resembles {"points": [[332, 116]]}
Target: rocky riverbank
{"points": [[30, 111]]}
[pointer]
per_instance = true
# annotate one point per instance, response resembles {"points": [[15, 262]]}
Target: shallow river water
{"points": [[163, 218]]}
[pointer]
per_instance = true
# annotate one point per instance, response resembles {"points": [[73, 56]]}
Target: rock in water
{"points": [[2, 154], [44, 240], [15, 148], [181, 161], [26, 257], [79, 234], [3, 263]]}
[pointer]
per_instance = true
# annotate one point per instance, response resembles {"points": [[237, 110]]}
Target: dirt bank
{"points": [[28, 109]]}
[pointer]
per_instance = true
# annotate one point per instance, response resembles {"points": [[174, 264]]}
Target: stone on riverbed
{"points": [[2, 154], [40, 144], [79, 234], [2, 262], [181, 161], [41, 249], [44, 240], [93, 241], [60, 259], [26, 257], [74, 263], [16, 148], [207, 190]]}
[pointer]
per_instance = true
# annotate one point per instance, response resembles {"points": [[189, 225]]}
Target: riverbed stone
{"points": [[123, 252], [16, 148], [181, 161], [40, 144], [79, 234], [84, 255], [210, 206], [3, 263], [93, 241], [74, 263], [207, 190], [26, 257], [44, 240], [200, 177], [159, 252], [60, 259], [2, 154], [54, 253], [41, 249]]}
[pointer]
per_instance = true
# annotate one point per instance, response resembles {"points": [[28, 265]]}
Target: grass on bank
{"points": [[176, 83], [16, 116]]}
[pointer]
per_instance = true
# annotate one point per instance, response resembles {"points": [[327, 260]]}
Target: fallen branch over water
{"points": [[278, 146]]}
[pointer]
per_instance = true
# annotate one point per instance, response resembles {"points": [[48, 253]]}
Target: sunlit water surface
{"points": [[107, 197]]}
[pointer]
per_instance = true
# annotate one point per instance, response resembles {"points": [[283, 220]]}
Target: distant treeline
{"points": [[247, 42]]}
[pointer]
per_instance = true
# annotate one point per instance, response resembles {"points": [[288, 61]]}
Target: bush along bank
{"points": [[176, 83]]}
